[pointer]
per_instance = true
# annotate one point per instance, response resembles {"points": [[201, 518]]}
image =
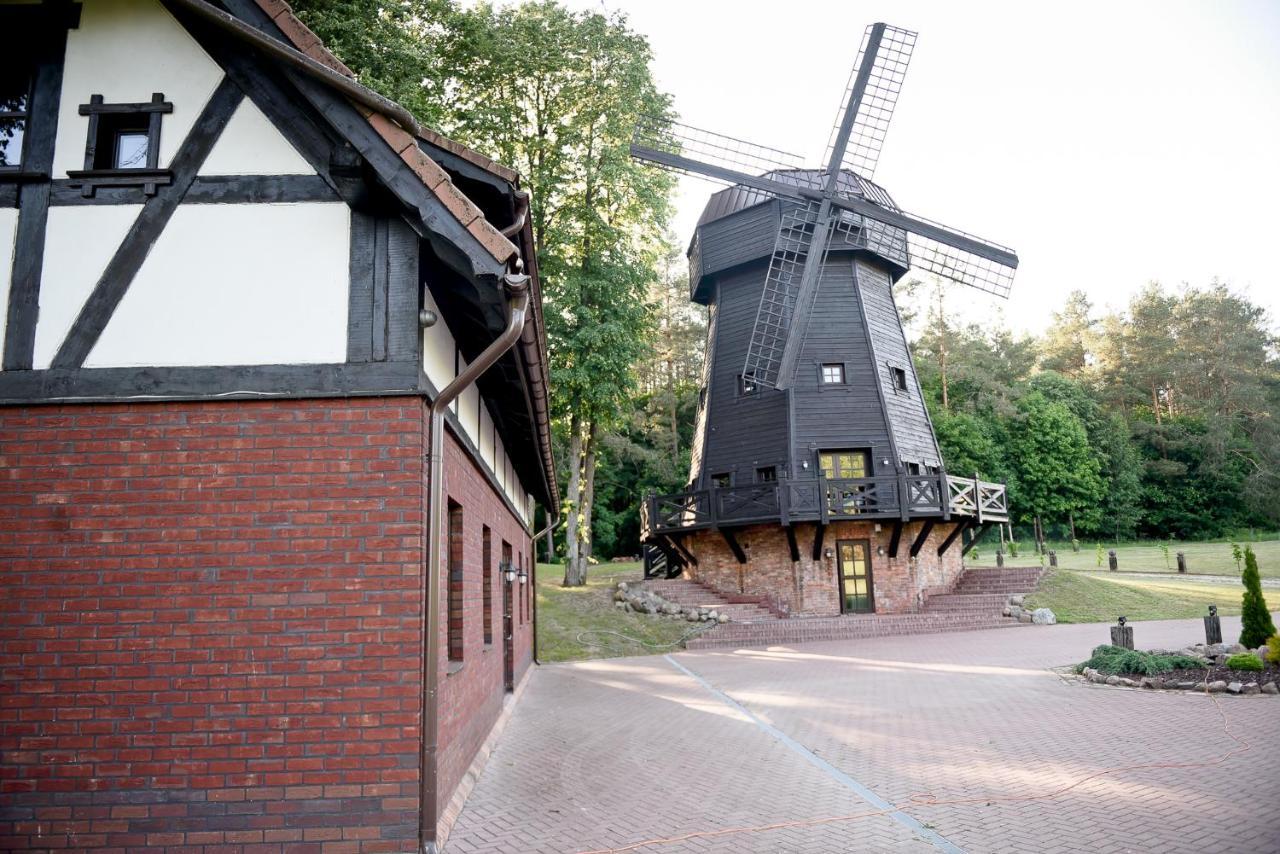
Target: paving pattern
{"points": [[791, 741]]}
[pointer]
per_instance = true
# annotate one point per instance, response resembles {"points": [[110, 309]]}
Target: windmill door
{"points": [[839, 466], [855, 577]]}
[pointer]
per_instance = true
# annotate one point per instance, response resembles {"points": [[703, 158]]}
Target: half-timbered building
{"points": [[234, 287]]}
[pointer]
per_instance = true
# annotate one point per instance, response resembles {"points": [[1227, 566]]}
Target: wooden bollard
{"points": [[1053, 558], [1182, 562], [1000, 557], [1122, 635], [1212, 626], [1112, 563]]}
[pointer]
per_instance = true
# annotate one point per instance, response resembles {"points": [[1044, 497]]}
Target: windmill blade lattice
{"points": [[708, 152], [960, 265], [880, 96], [777, 302]]}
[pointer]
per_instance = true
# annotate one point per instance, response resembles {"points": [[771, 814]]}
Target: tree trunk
{"points": [[1155, 402], [585, 532], [573, 574]]}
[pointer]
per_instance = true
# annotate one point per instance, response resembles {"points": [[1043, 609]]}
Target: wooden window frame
{"points": [[486, 550], [455, 598], [94, 175], [747, 385], [822, 374], [896, 371], [22, 117], [720, 474], [771, 471]]}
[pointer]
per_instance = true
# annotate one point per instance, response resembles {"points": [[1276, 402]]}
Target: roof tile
{"points": [[426, 168], [491, 239], [456, 201], [397, 137]]}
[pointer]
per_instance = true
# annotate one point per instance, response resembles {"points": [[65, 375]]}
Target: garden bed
{"points": [[1197, 668]]}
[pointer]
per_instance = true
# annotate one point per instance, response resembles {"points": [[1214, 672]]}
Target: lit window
{"points": [[833, 374]]}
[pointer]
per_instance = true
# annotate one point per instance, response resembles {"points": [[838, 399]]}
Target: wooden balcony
{"points": [[901, 497]]}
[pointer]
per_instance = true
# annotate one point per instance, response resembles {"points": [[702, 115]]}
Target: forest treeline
{"points": [[1154, 421]]}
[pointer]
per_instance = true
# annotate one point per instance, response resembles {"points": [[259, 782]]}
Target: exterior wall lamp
{"points": [[524, 577], [508, 573]]}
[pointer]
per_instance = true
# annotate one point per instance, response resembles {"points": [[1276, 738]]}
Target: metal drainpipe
{"points": [[555, 521], [517, 289], [523, 214]]}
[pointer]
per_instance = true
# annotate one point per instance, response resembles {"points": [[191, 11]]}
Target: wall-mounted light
{"points": [[524, 577], [427, 318], [829, 554], [508, 572], [880, 550]]}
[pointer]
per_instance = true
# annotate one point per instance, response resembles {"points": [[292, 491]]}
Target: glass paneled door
{"points": [[837, 466], [855, 577]]}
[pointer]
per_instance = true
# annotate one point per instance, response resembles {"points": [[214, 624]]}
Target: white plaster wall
{"points": [[124, 50], [237, 285], [8, 232], [486, 437], [469, 413], [438, 348], [251, 145], [78, 243]]}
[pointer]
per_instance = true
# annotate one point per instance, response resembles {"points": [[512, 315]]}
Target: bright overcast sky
{"points": [[1109, 143]]}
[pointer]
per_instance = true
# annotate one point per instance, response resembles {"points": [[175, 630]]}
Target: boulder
{"points": [[1015, 611], [1017, 599], [1270, 688], [1008, 612], [1024, 617], [1128, 683], [622, 585], [692, 616], [1043, 617], [1251, 688], [1113, 680], [621, 606], [724, 618], [1235, 687], [1218, 686]]}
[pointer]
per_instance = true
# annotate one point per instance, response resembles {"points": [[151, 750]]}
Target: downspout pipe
{"points": [[551, 526], [517, 292]]}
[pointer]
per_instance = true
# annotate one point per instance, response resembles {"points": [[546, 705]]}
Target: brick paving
{"points": [[605, 754]]}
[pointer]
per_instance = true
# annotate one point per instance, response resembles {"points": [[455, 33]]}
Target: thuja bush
{"points": [[1244, 661], [1117, 659], [1255, 619], [1273, 649]]}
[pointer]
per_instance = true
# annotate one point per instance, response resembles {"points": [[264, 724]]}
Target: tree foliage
{"points": [[1256, 625]]}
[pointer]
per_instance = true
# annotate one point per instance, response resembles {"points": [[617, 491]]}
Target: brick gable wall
{"points": [[211, 625]]}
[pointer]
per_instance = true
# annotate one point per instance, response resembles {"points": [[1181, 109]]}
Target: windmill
{"points": [[811, 420], [838, 203]]}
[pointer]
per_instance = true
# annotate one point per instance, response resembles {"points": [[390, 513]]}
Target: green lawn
{"points": [[1203, 558], [570, 617], [1076, 597]]}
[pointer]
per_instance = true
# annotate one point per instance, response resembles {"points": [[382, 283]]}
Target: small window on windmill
{"points": [[702, 397], [899, 378], [767, 474], [833, 374], [913, 468], [724, 480], [747, 383]]}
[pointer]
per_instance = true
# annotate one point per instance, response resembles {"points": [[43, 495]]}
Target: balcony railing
{"points": [[823, 500]]}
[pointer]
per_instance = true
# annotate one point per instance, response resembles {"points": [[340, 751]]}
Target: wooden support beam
{"points": [[959, 529], [791, 541], [677, 543], [973, 541], [818, 533], [733, 544], [895, 538], [918, 543]]}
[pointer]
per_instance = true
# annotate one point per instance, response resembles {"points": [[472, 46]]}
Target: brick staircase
{"points": [[975, 603]]}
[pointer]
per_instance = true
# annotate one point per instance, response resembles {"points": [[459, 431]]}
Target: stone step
{"points": [[980, 602], [815, 629]]}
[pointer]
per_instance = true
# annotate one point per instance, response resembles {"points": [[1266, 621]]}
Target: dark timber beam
{"points": [[819, 532], [960, 528], [918, 543], [734, 546], [895, 538], [973, 541], [134, 248], [680, 549], [791, 542]]}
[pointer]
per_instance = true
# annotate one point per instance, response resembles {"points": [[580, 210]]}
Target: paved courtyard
{"points": [[958, 742]]}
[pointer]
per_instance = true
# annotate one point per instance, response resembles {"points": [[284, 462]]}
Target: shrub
{"points": [[1273, 649], [1117, 659], [1244, 661], [1255, 619], [1013, 548], [1099, 555]]}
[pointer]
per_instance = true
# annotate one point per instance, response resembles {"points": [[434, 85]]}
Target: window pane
{"points": [[12, 132], [131, 150]]}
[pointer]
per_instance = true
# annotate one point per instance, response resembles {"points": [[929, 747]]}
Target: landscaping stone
{"points": [[1043, 617], [724, 618], [1218, 686], [1024, 617], [1017, 599], [1252, 688], [1270, 688], [1235, 687], [1113, 680]]}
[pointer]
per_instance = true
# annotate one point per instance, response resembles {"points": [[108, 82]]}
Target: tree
{"points": [[1055, 472], [1255, 620], [1068, 345]]}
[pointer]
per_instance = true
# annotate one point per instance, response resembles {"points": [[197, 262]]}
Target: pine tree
{"points": [[1255, 619]]}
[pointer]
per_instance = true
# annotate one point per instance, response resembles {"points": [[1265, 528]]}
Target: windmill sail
{"points": [[777, 302], [879, 97]]}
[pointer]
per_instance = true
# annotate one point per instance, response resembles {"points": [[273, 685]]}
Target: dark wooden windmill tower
{"points": [[816, 479]]}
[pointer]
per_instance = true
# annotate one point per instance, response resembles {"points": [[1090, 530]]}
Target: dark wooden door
{"points": [[854, 559]]}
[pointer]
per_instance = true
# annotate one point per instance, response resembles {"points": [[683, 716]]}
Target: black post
{"points": [[1112, 563], [1212, 626], [1000, 557], [1053, 558], [1182, 562], [1122, 635]]}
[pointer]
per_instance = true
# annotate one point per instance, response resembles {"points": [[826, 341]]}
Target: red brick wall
{"points": [[210, 628], [810, 587]]}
